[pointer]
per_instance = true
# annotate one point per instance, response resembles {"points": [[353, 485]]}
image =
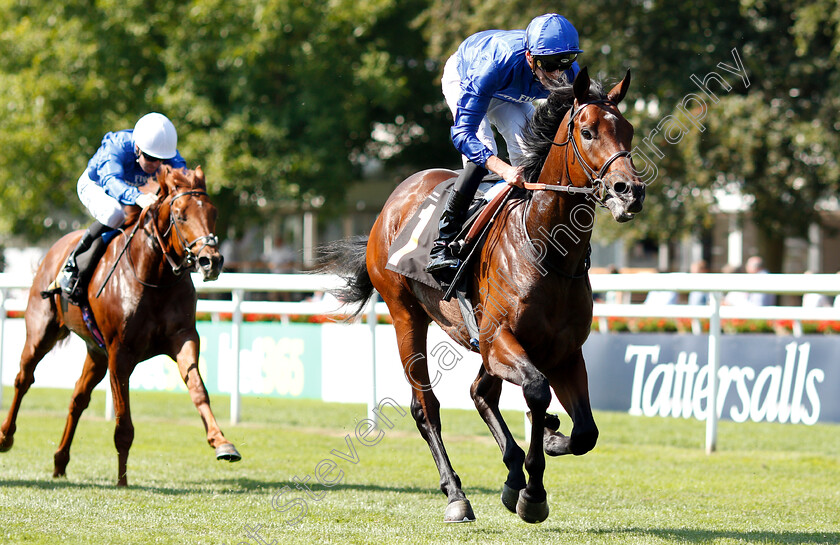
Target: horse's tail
{"points": [[346, 258]]}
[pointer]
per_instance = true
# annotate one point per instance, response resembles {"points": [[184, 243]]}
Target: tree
{"points": [[277, 100], [779, 143]]}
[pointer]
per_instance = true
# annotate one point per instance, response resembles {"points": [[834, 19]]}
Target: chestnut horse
{"points": [[530, 279], [146, 308]]}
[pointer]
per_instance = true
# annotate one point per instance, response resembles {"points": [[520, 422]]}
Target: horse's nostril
{"points": [[621, 188], [205, 262]]}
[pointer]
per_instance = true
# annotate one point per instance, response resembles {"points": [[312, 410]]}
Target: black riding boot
{"points": [[453, 217], [74, 277]]}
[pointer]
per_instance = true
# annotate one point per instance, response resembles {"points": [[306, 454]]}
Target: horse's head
{"points": [[601, 139], [191, 218]]}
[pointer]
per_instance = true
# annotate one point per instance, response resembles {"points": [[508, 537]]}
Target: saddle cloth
{"points": [[409, 254]]}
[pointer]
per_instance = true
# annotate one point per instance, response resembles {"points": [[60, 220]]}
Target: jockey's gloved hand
{"points": [[146, 199]]}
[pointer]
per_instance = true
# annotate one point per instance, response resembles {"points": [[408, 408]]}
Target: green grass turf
{"points": [[648, 481]]}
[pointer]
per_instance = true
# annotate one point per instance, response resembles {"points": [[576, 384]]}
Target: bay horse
{"points": [[530, 279], [146, 308]]}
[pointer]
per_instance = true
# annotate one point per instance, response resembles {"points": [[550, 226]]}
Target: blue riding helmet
{"points": [[551, 34]]}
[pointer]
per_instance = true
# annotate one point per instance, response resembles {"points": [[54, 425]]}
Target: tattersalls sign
{"points": [[774, 393], [762, 378]]}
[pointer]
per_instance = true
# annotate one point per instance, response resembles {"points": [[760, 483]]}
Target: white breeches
{"points": [[105, 209]]}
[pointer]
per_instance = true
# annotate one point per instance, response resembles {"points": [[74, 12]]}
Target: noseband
{"points": [[596, 187], [188, 261]]}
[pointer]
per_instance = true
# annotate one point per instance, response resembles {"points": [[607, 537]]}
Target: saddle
{"points": [[87, 313], [409, 254]]}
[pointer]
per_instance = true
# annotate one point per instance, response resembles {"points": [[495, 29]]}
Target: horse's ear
{"points": [[199, 176], [617, 93], [164, 178], [581, 85]]}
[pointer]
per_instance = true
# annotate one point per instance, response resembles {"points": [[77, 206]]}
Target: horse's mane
{"points": [[541, 129], [183, 179]]}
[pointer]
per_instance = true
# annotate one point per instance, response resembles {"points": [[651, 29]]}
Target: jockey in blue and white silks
{"points": [[125, 161], [115, 173], [492, 80]]}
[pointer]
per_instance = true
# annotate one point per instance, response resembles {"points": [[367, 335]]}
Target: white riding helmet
{"points": [[155, 135]]}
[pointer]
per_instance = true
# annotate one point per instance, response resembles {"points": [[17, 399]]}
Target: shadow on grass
{"points": [[689, 535], [273, 486], [62, 484], [237, 486]]}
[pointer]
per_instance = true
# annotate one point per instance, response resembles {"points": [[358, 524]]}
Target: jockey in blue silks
{"points": [[125, 161], [492, 80]]}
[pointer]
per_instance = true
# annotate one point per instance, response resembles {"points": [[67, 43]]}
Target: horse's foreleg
{"points": [[42, 332], [571, 385], [485, 392], [425, 408], [124, 429], [187, 358], [92, 373], [508, 360]]}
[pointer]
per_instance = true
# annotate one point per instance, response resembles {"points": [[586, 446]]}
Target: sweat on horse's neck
{"points": [[560, 226]]}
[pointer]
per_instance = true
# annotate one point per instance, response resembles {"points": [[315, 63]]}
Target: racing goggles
{"points": [[552, 63]]}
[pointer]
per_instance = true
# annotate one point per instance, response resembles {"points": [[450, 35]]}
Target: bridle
{"points": [[597, 189], [189, 259], [186, 263]]}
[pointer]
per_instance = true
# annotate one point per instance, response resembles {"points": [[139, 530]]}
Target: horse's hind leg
{"points": [[425, 408], [485, 392], [96, 364], [42, 332], [187, 358]]}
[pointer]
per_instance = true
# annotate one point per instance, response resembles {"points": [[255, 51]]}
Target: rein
{"points": [[597, 188]]}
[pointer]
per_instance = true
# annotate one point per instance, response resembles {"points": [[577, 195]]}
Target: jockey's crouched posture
{"points": [[124, 162], [492, 79]]}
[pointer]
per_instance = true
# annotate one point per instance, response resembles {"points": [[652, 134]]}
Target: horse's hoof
{"points": [[551, 422], [228, 452], [531, 512], [556, 444], [459, 511], [59, 474], [509, 498], [6, 442]]}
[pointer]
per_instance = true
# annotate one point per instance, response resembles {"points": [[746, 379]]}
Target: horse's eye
{"points": [[586, 134]]}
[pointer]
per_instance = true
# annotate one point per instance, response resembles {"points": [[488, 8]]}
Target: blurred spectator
{"points": [[755, 265], [281, 258], [815, 300], [699, 297], [837, 298], [734, 298], [610, 297], [661, 297], [228, 251]]}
